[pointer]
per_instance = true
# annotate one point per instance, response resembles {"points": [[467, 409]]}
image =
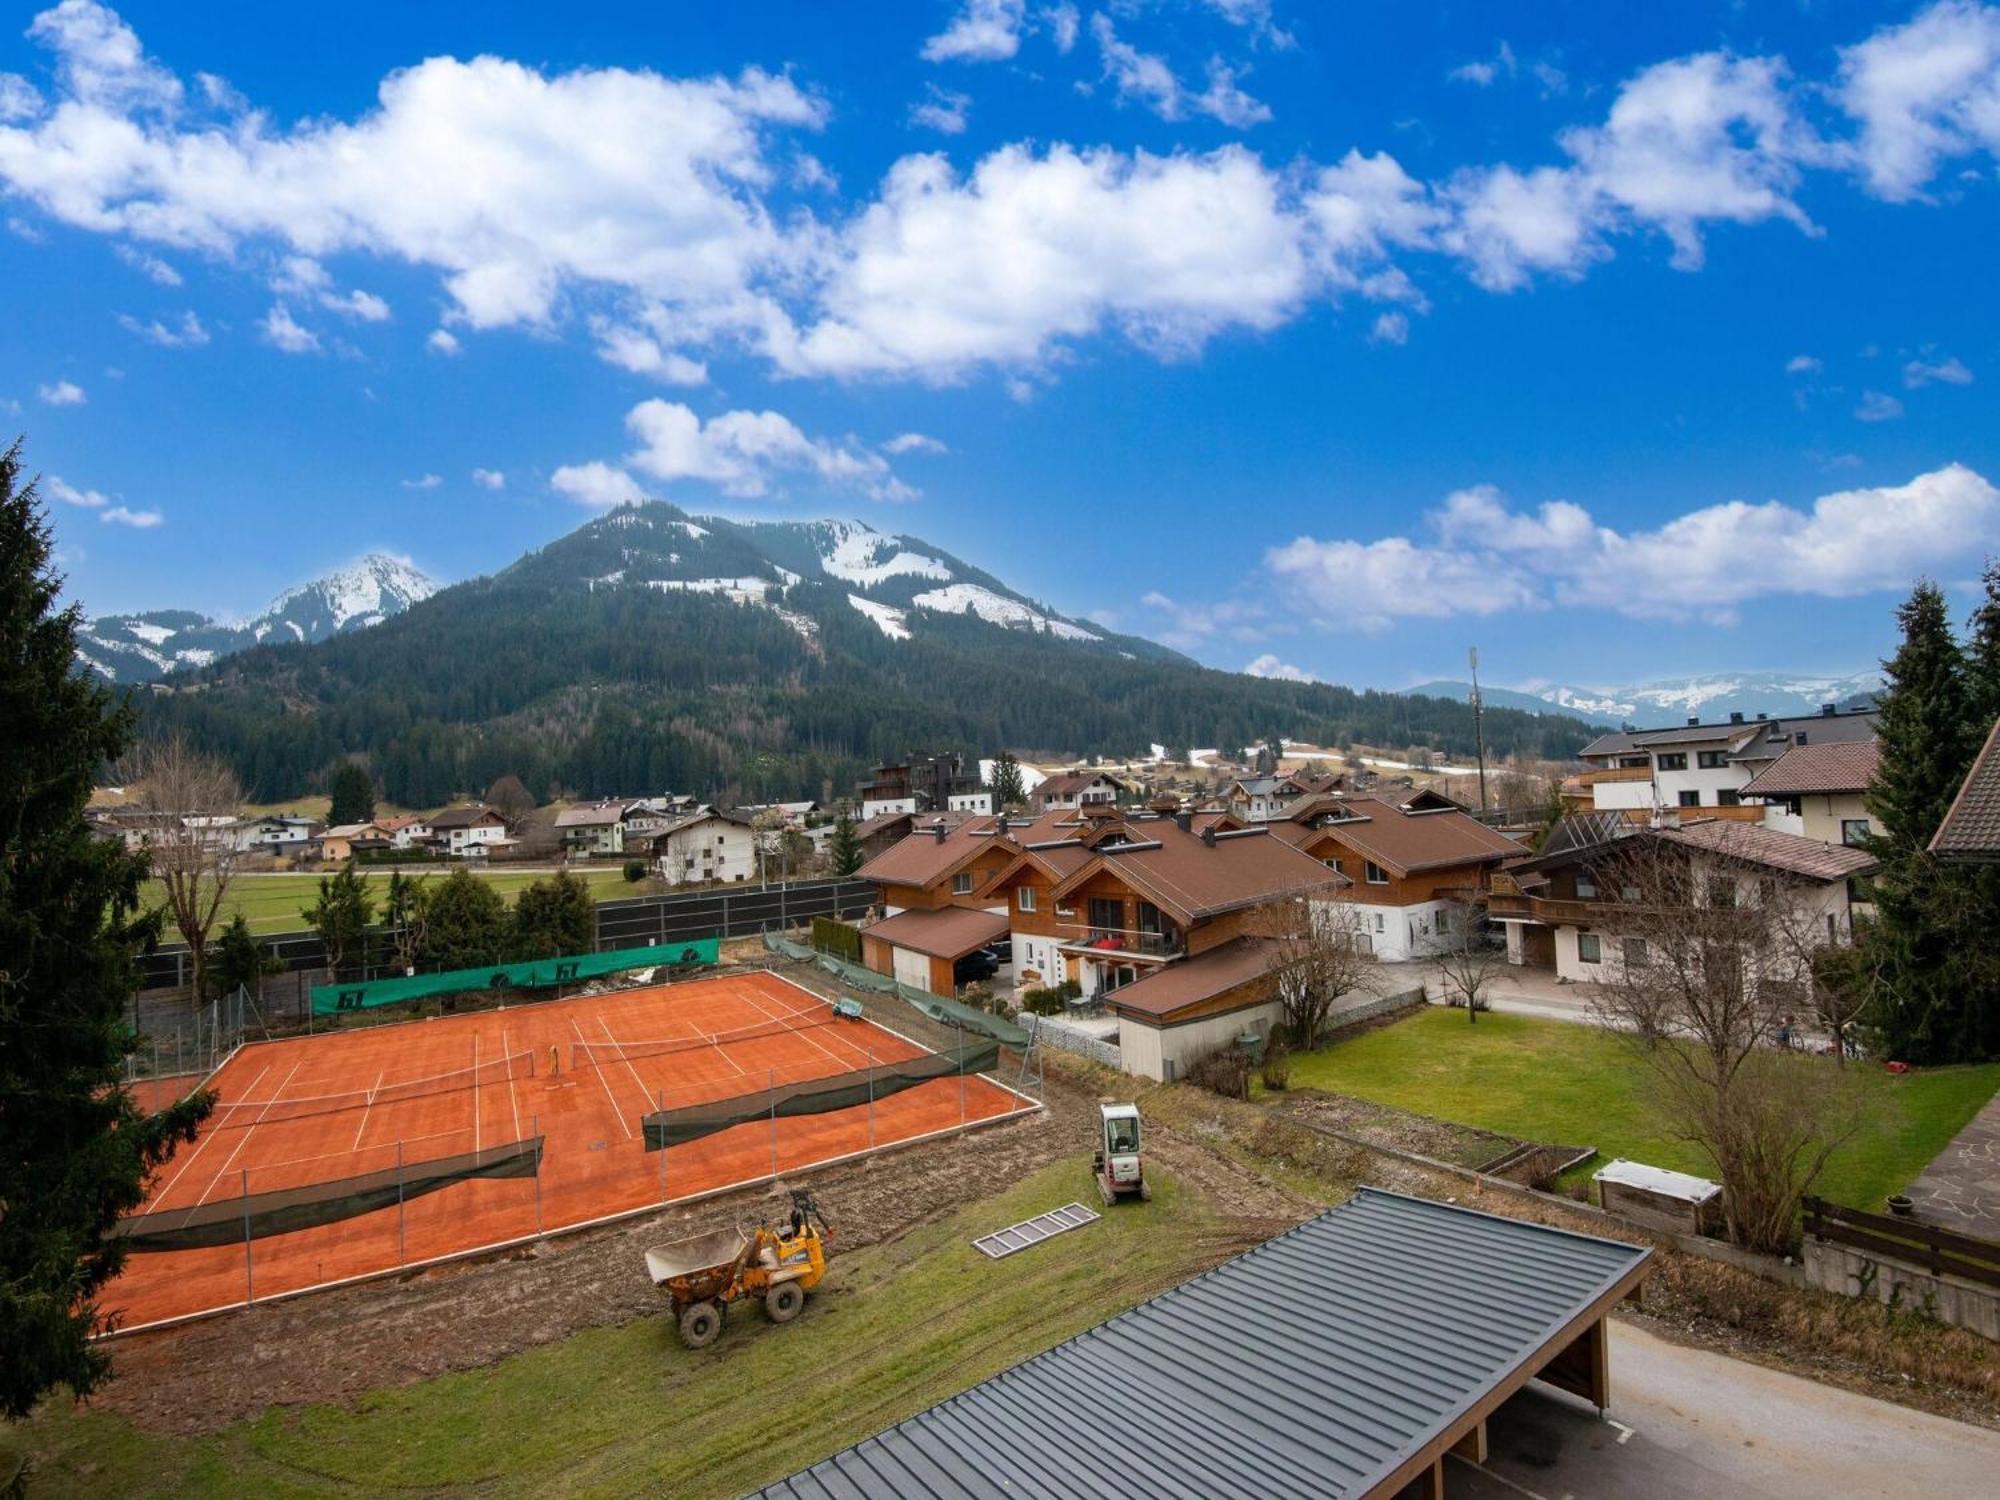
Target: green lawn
{"points": [[627, 1410], [272, 903], [1575, 1085]]}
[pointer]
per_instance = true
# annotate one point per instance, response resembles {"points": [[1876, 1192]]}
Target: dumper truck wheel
{"points": [[784, 1301], [700, 1323]]}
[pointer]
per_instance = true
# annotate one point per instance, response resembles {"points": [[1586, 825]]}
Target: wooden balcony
{"points": [[1121, 942], [1613, 773]]}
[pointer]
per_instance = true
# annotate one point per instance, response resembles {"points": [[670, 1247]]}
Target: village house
{"points": [[472, 832], [924, 783], [343, 841], [406, 830], [885, 830], [592, 830], [1572, 907], [1970, 832], [927, 887], [1414, 869], [704, 847], [1069, 790], [1819, 791], [1641, 773]]}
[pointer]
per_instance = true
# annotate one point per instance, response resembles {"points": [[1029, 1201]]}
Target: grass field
{"points": [[627, 1410], [1574, 1085], [273, 903]]}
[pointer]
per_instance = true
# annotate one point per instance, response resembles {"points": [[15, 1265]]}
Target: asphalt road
{"points": [[1686, 1424]]}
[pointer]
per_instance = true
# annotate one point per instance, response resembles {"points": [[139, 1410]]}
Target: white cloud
{"points": [[1268, 665], [489, 479], [914, 442], [1923, 93], [1951, 370], [1392, 328], [743, 452], [941, 110], [282, 331], [1143, 77], [635, 350], [302, 276], [424, 482], [1802, 364], [1190, 625], [1485, 558], [150, 266], [61, 489], [982, 31], [19, 99], [443, 341], [1224, 100], [186, 334], [99, 59], [1485, 70], [1877, 407], [596, 484], [1062, 21], [62, 393], [143, 520]]}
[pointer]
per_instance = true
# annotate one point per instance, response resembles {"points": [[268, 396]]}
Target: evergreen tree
{"points": [[465, 924], [341, 916], [1925, 944], [404, 913], [554, 917], [239, 961], [353, 794], [78, 1149], [844, 848], [1982, 652], [1008, 792]]}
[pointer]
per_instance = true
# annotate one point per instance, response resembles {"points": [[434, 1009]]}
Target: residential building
{"points": [[886, 829], [922, 783], [1259, 799], [932, 915], [1413, 869], [648, 817], [703, 847], [1818, 791], [473, 832], [343, 841], [1573, 906], [1644, 773], [1069, 790], [592, 830], [1970, 832], [406, 830]]}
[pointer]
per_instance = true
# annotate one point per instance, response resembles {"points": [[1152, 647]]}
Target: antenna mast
{"points": [[1478, 723]]}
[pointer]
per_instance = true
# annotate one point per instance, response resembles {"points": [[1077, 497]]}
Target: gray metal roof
{"points": [[1313, 1365]]}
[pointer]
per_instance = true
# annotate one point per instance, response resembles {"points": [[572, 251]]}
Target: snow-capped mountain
{"points": [[141, 647], [1669, 700], [799, 570]]}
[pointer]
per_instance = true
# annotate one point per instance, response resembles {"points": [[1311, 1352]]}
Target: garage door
{"points": [[912, 968]]}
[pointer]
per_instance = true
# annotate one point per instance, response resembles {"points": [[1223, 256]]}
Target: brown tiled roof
{"points": [[464, 817], [923, 858], [1190, 879], [1970, 832], [1757, 845], [1175, 987], [1407, 842], [949, 932], [869, 827], [1804, 769]]}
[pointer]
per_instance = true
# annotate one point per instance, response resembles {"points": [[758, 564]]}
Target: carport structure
{"points": [[921, 948], [1343, 1358]]}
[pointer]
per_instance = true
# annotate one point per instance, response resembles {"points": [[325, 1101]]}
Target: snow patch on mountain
{"points": [[889, 619], [997, 609], [857, 555]]}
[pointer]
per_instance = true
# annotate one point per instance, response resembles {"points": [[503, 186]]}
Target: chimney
{"points": [[1736, 718], [1184, 820], [1693, 720], [1826, 710], [1208, 836], [1761, 718], [939, 831]]}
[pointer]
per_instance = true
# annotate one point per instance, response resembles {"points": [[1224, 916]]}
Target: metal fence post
{"points": [[871, 1098], [773, 1074], [402, 1253], [535, 1125], [249, 1276], [661, 1100], [961, 1075]]}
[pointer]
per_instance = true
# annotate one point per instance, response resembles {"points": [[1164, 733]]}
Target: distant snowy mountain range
{"points": [[1670, 700], [141, 647]]}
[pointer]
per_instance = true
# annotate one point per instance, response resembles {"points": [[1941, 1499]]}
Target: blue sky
{"points": [[1334, 341]]}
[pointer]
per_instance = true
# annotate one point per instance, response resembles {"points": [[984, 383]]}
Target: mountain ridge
{"points": [[1661, 702]]}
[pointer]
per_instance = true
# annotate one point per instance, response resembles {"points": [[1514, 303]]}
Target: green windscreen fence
{"points": [[812, 1096], [256, 1216], [529, 974], [937, 1007]]}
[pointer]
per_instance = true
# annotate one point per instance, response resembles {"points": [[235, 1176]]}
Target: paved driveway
{"points": [[1688, 1425]]}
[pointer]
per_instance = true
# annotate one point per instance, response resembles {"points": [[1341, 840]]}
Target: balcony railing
{"points": [[1124, 940]]}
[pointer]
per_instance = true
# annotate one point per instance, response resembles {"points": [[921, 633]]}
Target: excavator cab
{"points": [[1119, 1165]]}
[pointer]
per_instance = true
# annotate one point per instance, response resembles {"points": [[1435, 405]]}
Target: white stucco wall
{"points": [[1146, 1050]]}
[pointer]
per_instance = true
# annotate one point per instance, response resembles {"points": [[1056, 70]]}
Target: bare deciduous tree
{"points": [[1318, 955], [1717, 956], [1469, 962], [193, 799]]}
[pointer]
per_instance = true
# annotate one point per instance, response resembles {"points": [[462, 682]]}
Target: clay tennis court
{"points": [[581, 1074]]}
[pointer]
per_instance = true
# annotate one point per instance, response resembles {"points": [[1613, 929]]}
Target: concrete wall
{"points": [[1149, 1050], [1054, 1032], [1859, 1273]]}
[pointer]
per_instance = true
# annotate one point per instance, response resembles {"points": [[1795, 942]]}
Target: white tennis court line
{"points": [[646, 1100], [617, 1113], [369, 1105], [246, 1135], [845, 1062], [202, 1144]]}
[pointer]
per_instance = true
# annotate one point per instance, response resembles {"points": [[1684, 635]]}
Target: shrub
{"points": [[1051, 1001], [1223, 1070], [1276, 1068], [635, 871], [841, 939]]}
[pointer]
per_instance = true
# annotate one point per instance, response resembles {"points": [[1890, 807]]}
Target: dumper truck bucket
{"points": [[702, 1253]]}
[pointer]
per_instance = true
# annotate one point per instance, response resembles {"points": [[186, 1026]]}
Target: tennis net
{"points": [[589, 1054], [270, 1111]]}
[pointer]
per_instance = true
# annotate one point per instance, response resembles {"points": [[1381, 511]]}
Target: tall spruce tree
{"points": [[353, 794], [1926, 950], [844, 849], [78, 1150], [1008, 792], [1982, 651]]}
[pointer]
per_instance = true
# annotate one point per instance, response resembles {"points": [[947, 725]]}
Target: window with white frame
{"points": [[1025, 898], [1590, 948], [961, 883], [1374, 873]]}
